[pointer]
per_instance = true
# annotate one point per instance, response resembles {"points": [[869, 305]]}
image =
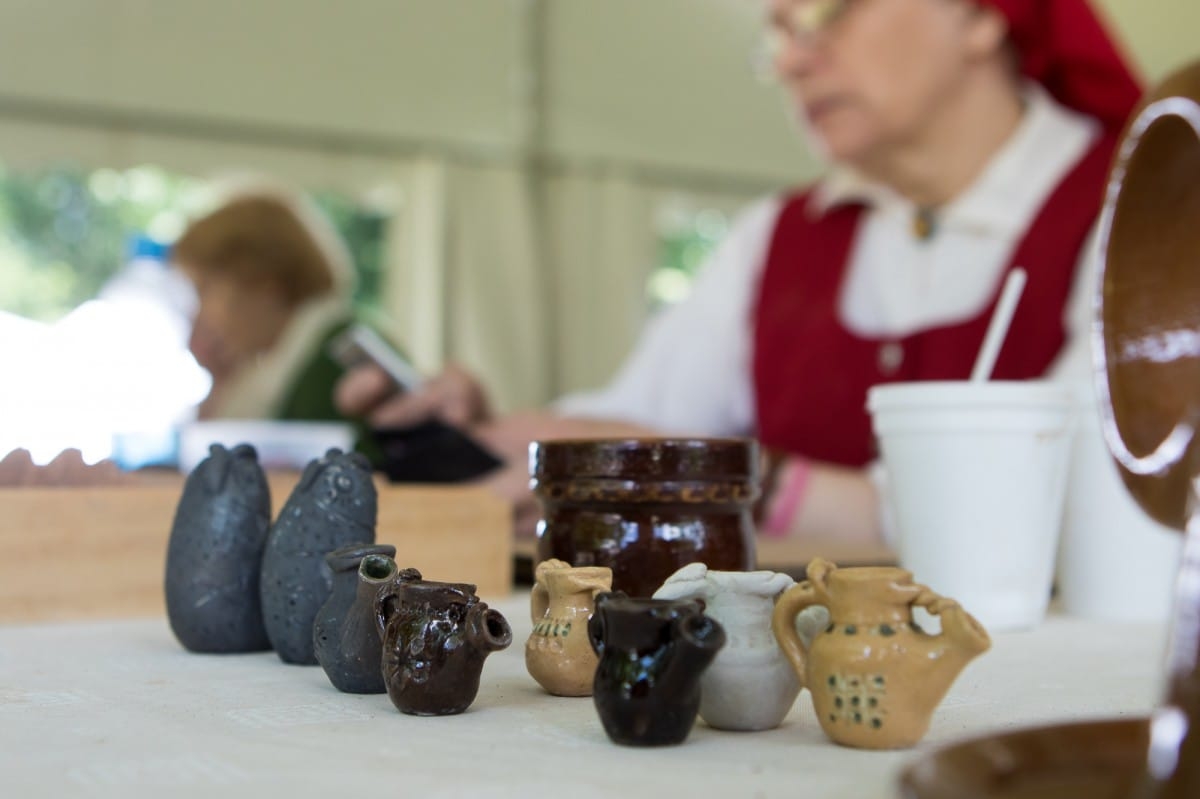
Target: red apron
{"points": [[811, 374]]}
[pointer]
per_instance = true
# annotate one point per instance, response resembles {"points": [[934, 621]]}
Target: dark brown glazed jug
{"points": [[435, 639], [646, 507], [653, 653]]}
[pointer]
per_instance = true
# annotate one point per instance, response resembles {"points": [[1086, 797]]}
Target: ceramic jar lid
{"points": [[647, 459]]}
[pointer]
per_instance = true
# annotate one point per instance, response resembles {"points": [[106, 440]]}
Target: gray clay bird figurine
{"points": [[333, 505], [215, 554]]}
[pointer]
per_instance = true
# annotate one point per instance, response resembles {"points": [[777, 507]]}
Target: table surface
{"points": [[118, 708]]}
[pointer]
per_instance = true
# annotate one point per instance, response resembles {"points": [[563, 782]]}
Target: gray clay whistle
{"points": [[215, 554], [333, 505]]}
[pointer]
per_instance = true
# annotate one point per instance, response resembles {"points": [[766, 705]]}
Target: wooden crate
{"points": [[99, 552]]}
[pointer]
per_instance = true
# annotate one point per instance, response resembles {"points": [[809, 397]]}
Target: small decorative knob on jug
{"points": [[874, 675]]}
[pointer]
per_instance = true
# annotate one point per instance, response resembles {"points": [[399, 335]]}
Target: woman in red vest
{"points": [[965, 138]]}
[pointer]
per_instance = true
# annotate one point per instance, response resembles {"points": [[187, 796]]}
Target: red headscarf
{"points": [[1065, 47]]}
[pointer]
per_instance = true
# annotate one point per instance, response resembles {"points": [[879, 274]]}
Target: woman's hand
{"points": [[455, 396]]}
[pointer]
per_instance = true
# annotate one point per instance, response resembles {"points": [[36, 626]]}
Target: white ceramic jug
{"points": [[750, 685]]}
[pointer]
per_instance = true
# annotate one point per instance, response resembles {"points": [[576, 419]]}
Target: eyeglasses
{"points": [[803, 21]]}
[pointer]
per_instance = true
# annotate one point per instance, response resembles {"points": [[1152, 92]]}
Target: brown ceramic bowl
{"points": [[645, 507], [1149, 321], [1094, 760]]}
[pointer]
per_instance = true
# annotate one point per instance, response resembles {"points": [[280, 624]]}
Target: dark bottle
{"points": [[215, 554], [345, 636], [333, 505]]}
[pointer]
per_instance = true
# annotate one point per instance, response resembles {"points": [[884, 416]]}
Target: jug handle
{"points": [[385, 606], [387, 598], [539, 602], [958, 626], [596, 625], [783, 624]]}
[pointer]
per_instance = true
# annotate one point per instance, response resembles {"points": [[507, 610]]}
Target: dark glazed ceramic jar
{"points": [[652, 655], [646, 507], [435, 639], [345, 636], [216, 551], [333, 505]]}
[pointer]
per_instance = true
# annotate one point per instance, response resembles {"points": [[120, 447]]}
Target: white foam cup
{"points": [[1115, 563], [976, 475]]}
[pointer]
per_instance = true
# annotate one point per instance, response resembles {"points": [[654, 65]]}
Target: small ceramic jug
{"points": [[215, 554], [345, 636], [435, 639], [333, 505], [558, 653], [875, 676], [751, 684], [653, 653]]}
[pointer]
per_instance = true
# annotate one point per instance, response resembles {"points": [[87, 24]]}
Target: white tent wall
{"points": [[525, 145]]}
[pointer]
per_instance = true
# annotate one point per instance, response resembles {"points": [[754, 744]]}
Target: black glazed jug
{"points": [[652, 655]]}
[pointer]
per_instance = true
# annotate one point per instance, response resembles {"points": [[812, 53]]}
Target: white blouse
{"points": [[690, 371]]}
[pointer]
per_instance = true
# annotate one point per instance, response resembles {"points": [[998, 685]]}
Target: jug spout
{"points": [[698, 639], [961, 641], [488, 629], [964, 635]]}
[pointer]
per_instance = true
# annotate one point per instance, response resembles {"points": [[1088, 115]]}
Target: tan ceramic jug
{"points": [[558, 653], [875, 676]]}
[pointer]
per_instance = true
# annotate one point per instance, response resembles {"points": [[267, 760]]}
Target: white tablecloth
{"points": [[119, 709]]}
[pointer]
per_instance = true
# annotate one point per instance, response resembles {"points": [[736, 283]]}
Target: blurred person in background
{"points": [[273, 283], [964, 138]]}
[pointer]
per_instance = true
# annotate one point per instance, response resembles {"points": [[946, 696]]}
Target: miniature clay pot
{"points": [[435, 639], [646, 507], [333, 505], [751, 684], [215, 554], [345, 636], [653, 653], [558, 653], [874, 675]]}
